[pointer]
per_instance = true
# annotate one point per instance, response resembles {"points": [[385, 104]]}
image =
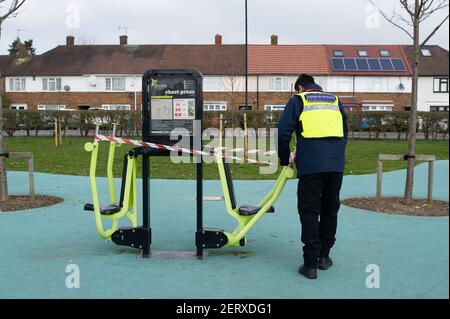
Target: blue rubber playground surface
{"points": [[412, 253]]}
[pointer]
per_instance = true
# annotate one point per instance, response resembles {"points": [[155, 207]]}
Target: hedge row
{"points": [[372, 124]]}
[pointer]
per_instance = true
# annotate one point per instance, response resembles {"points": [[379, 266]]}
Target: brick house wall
{"points": [[257, 101]]}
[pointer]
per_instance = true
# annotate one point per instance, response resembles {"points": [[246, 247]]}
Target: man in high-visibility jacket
{"points": [[320, 124]]}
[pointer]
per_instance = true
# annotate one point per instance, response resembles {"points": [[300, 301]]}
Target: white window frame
{"points": [[439, 108], [385, 53], [116, 107], [279, 84], [338, 53], [426, 52], [114, 84], [215, 106], [18, 106], [363, 53], [214, 84], [17, 84], [437, 85], [273, 107], [42, 107], [51, 84], [373, 107]]}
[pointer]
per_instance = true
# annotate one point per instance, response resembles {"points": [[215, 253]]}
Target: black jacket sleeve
{"points": [[287, 124]]}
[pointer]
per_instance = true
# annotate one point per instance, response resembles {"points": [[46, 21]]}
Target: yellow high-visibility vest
{"points": [[321, 116]]}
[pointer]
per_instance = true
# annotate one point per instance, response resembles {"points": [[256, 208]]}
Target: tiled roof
{"points": [[134, 59], [6, 62], [288, 59], [435, 65], [213, 60]]}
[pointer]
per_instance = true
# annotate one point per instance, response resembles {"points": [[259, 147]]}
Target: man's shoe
{"points": [[310, 273], [324, 263]]}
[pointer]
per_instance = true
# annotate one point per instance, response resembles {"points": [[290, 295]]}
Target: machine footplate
{"points": [[211, 238], [132, 237]]}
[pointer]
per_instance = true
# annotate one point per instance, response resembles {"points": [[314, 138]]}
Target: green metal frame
{"points": [[129, 207], [245, 223]]}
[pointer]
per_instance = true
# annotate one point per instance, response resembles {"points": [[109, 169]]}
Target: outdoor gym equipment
{"points": [[127, 205], [172, 100], [246, 215]]}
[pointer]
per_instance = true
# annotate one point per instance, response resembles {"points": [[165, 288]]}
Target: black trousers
{"points": [[318, 206]]}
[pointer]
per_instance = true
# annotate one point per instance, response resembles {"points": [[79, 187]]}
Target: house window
{"points": [[17, 84], [274, 107], [213, 84], [116, 107], [279, 84], [377, 107], [115, 84], [338, 53], [441, 85], [363, 53], [215, 106], [51, 84], [51, 107], [426, 52], [17, 106], [385, 53], [441, 108]]}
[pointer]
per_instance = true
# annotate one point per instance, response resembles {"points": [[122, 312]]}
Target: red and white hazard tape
{"points": [[127, 141]]}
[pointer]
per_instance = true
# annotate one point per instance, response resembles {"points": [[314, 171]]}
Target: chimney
{"points": [[123, 40], [70, 40], [218, 39], [274, 39]]}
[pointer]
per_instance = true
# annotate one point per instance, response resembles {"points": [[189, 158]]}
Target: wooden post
{"points": [[28, 156], [31, 176], [430, 181], [60, 131], [221, 129], [56, 132], [379, 178]]}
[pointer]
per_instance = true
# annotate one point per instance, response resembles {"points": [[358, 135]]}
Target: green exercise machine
{"points": [[172, 99]]}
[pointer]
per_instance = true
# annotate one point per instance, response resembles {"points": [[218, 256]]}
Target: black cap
{"points": [[304, 80]]}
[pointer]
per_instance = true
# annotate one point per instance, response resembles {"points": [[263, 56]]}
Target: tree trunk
{"points": [[413, 114], [3, 177]]}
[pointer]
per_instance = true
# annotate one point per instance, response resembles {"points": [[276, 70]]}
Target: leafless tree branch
{"points": [[391, 19], [428, 10], [434, 31]]}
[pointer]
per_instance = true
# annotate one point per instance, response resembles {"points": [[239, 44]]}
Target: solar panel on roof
{"points": [[350, 64], [338, 64], [398, 65], [369, 64], [362, 64], [374, 64], [386, 64]]}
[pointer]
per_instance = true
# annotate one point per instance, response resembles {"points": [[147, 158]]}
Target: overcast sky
{"points": [[48, 22]]}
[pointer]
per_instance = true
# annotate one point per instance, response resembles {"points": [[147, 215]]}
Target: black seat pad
{"points": [[105, 210], [249, 210]]}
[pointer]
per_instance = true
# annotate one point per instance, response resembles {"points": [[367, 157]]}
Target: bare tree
{"points": [[410, 20], [8, 9], [231, 82]]}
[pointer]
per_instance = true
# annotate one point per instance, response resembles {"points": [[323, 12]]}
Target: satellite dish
{"points": [[66, 88], [93, 80], [401, 86]]}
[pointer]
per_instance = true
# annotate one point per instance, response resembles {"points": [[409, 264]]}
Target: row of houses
{"points": [[365, 77]]}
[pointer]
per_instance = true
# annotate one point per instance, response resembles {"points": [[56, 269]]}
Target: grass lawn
{"points": [[71, 159]]}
